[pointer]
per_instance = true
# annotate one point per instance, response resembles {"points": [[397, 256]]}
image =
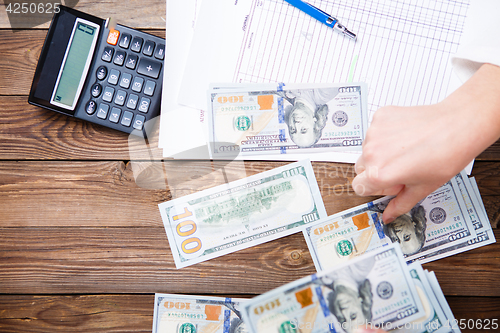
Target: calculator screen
{"points": [[75, 65]]}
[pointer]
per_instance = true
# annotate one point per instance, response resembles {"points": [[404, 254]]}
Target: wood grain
{"points": [[20, 51], [138, 260], [32, 133], [82, 244], [136, 14], [77, 193], [98, 193], [79, 313], [134, 313]]}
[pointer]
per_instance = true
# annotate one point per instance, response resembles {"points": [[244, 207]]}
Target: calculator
{"points": [[94, 72]]}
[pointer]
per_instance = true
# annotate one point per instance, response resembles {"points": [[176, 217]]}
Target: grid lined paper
{"points": [[402, 50]]}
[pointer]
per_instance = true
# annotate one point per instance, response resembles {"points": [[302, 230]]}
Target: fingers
{"points": [[407, 198], [362, 185], [359, 167]]}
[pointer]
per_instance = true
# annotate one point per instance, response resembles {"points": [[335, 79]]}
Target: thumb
{"points": [[406, 199]]}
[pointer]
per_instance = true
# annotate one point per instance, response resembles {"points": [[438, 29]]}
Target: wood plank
{"points": [[481, 310], [139, 14], [61, 193], [75, 194], [134, 313], [138, 260], [491, 154], [29, 132], [487, 177], [79, 313], [112, 195], [20, 51]]}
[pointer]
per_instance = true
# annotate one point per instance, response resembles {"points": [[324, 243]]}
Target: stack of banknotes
{"points": [[286, 200], [377, 289], [369, 273]]}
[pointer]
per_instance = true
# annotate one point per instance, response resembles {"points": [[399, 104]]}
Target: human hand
{"points": [[411, 151]]}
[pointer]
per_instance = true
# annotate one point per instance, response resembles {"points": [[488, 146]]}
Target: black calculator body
{"points": [[111, 77]]}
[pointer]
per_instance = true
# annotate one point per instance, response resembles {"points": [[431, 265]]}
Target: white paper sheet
{"points": [[402, 51], [180, 126]]}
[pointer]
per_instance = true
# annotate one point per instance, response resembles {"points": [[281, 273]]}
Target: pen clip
{"points": [[329, 20]]}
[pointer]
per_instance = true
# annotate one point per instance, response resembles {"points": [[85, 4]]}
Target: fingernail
{"points": [[389, 220]]}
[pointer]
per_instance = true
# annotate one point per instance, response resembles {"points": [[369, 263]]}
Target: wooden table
{"points": [[82, 246]]}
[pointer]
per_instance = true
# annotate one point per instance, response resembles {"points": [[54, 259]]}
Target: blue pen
{"points": [[321, 16]]}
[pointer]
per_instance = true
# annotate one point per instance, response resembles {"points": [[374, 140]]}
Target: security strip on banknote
{"points": [[437, 224], [192, 314], [287, 118], [243, 213], [373, 289]]}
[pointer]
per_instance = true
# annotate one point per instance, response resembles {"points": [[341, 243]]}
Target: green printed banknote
{"points": [[374, 289], [193, 314], [243, 213], [479, 218], [438, 226], [437, 319], [287, 119]]}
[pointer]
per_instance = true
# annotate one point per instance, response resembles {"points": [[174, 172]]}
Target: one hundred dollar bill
{"points": [[451, 323], [373, 289], [192, 314], [435, 319], [243, 213], [478, 216], [281, 119], [343, 236], [438, 222]]}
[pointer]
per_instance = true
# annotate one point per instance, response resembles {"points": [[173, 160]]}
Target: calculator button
{"points": [[160, 51], [137, 84], [149, 88], [119, 58], [127, 118], [125, 40], [102, 113], [144, 104], [139, 122], [113, 37], [125, 80], [136, 44], [114, 116], [107, 54], [149, 48], [120, 97], [101, 73], [149, 68], [96, 90], [90, 107], [131, 61], [132, 101], [108, 94], [114, 75]]}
